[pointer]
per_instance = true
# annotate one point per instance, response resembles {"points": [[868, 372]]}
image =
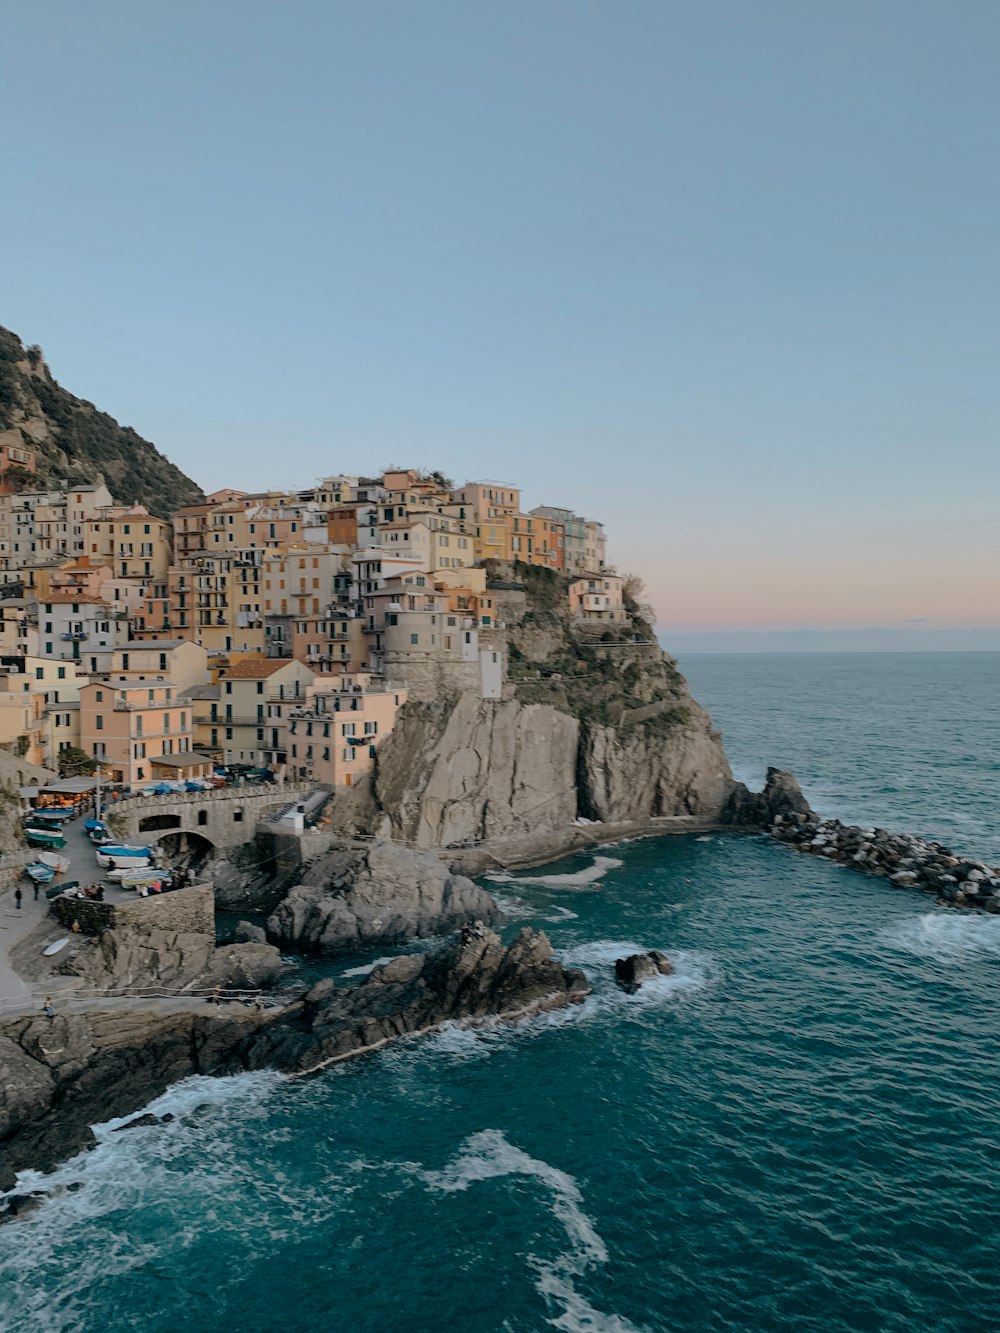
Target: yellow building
{"points": [[131, 540]]}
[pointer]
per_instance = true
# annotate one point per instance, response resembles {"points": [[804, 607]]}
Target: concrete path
{"points": [[15, 993]]}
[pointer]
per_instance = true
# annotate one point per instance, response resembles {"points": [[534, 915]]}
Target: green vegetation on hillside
{"points": [[611, 675], [77, 442]]}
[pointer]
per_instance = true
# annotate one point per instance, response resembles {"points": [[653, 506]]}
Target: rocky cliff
{"points": [[59, 1076], [75, 441], [595, 721], [374, 896]]}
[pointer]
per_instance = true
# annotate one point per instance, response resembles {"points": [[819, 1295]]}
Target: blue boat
{"points": [[114, 856], [40, 873]]}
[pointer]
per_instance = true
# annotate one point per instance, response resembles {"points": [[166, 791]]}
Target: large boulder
{"points": [[781, 800], [632, 971], [383, 894]]}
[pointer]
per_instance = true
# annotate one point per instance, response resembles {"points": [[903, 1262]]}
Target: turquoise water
{"points": [[906, 740], [796, 1131]]}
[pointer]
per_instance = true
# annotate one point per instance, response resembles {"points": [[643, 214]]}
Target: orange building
{"points": [[129, 724]]}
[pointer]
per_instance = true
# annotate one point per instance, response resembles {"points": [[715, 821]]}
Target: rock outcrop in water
{"points": [[58, 1076], [781, 799], [378, 895], [632, 971]]}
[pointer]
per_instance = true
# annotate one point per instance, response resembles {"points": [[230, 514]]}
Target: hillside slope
{"points": [[75, 441]]}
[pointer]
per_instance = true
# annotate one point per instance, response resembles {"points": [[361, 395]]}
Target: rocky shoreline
{"points": [[63, 1074]]}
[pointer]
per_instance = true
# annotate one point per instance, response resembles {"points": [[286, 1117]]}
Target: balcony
{"points": [[77, 637]]}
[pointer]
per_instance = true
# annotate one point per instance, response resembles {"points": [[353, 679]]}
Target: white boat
{"points": [[113, 856], [129, 876], [60, 864]]}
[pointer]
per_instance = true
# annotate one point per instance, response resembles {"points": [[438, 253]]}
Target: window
{"points": [[202, 817], [39, 673], [99, 696], [348, 755], [414, 638], [98, 723], [347, 729], [61, 673], [237, 816]]}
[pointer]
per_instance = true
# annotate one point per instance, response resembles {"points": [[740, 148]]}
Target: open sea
{"points": [[798, 1130]]}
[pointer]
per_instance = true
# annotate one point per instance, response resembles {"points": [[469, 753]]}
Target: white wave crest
{"points": [[579, 879], [368, 967], [51, 1257], [489, 1155], [946, 937]]}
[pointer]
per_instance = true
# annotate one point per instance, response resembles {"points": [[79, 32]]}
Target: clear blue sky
{"points": [[722, 274]]}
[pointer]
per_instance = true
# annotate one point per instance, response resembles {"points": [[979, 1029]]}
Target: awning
{"points": [[70, 787]]}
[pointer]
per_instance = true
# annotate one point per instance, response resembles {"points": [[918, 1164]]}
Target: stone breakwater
{"points": [[905, 860]]}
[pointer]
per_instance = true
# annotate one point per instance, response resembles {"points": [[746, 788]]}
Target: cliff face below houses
{"points": [[596, 721]]}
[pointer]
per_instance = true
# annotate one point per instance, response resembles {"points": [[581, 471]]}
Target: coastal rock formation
{"points": [[908, 861], [58, 1076], [468, 770], [382, 894], [632, 971], [595, 721], [781, 799], [639, 772], [468, 979]]}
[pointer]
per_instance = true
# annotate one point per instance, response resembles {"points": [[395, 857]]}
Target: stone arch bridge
{"points": [[213, 820]]}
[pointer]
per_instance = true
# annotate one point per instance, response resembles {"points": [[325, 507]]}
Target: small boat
{"points": [[91, 824], [100, 833], [38, 837], [114, 855], [55, 862], [55, 946], [129, 876], [40, 873]]}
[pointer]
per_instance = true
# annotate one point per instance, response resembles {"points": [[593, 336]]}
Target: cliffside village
{"points": [[279, 631]]}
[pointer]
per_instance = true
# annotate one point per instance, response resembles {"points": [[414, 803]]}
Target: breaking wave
{"points": [[579, 879], [490, 1156], [947, 937], [367, 968]]}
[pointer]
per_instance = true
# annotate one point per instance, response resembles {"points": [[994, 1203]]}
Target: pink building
{"points": [[333, 738], [138, 729]]}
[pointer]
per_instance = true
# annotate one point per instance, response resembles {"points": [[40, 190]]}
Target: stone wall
{"points": [[189, 911], [225, 818]]}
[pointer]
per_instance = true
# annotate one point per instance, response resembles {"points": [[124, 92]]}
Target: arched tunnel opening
{"points": [[186, 849]]}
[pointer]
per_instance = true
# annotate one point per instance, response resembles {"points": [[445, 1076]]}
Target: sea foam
{"points": [[580, 879], [947, 937], [489, 1155]]}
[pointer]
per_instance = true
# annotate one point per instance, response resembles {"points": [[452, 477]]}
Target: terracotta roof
{"points": [[255, 668]]}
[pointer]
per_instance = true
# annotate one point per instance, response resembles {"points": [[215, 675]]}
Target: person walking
{"points": [[47, 1008], [36, 890], [18, 895]]}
